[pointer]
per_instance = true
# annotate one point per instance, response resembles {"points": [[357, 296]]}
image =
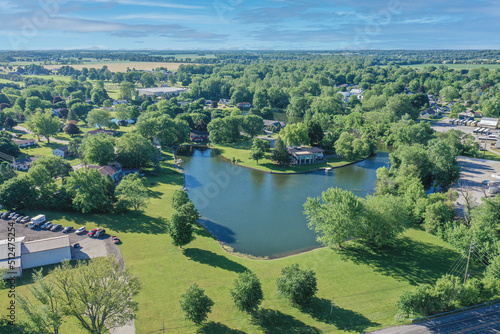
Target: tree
{"points": [[280, 154], [180, 229], [71, 129], [127, 90], [253, 125], [98, 149], [351, 147], [135, 151], [257, 151], [449, 93], [55, 166], [6, 172], [147, 80], [315, 133], [336, 216], [196, 304], [225, 130], [179, 198], [296, 284], [295, 134], [170, 132], [91, 191], [18, 193], [47, 316], [43, 124], [72, 115], [7, 146], [133, 192], [98, 293], [456, 109], [9, 123], [247, 292], [98, 117]]}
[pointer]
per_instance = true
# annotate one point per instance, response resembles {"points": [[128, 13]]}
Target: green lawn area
{"points": [[7, 81], [365, 284], [48, 77], [241, 152]]}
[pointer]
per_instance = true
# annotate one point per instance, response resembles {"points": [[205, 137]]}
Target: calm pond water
{"points": [[259, 213]]}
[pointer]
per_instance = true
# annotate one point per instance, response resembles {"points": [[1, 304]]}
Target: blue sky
{"points": [[245, 24]]}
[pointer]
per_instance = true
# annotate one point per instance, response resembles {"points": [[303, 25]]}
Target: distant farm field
{"points": [[122, 66]]}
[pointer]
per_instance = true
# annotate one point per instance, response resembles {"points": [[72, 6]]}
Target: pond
{"points": [[261, 214]]}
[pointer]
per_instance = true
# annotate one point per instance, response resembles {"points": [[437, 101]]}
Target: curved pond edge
{"points": [[229, 250]]}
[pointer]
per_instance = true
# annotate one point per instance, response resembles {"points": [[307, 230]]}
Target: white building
{"points": [[159, 91], [62, 151], [31, 254], [486, 122]]}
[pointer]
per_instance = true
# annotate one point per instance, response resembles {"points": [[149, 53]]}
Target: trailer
{"points": [[38, 219]]}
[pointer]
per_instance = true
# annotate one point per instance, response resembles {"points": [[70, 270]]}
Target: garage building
{"points": [[37, 253]]}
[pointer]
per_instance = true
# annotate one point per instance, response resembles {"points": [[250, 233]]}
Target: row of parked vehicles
{"points": [[40, 221]]}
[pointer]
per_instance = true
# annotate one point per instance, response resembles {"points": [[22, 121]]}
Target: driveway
{"points": [[52, 139]]}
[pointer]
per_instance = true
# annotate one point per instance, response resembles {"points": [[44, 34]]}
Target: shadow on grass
{"points": [[274, 321], [214, 260], [346, 320], [217, 328], [409, 260]]}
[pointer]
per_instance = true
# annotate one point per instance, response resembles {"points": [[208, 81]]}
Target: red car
{"points": [[115, 240], [92, 232]]}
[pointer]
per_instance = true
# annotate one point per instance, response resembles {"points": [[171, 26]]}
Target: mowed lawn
{"points": [[241, 152], [364, 284]]}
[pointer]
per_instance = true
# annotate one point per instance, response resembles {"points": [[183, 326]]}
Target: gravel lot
{"points": [[89, 247]]}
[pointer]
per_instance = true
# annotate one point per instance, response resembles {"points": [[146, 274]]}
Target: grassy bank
{"points": [[241, 152]]}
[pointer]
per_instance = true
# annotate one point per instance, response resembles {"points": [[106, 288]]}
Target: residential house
{"points": [[432, 100], [62, 151], [23, 164], [225, 102], [428, 112], [116, 102], [305, 155], [199, 136], [24, 142], [244, 105], [113, 172], [273, 126]]}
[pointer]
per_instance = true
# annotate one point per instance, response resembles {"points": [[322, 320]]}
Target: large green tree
{"points": [[135, 151], [98, 149], [298, 285], [180, 229], [55, 165], [252, 125], [196, 304], [295, 134], [98, 293], [247, 292], [18, 193], [43, 124], [91, 191], [133, 192], [280, 153], [98, 117]]}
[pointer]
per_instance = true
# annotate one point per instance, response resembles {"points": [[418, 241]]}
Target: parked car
{"points": [[100, 233], [5, 215], [26, 219], [67, 229], [48, 226], [56, 227], [44, 225], [81, 230], [19, 219], [14, 216], [11, 215], [115, 239], [93, 232]]}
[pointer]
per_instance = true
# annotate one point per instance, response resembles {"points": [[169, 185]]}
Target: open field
{"points": [[49, 77], [365, 284], [122, 66], [457, 66]]}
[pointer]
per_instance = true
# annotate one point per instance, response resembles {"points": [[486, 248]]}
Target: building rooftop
{"points": [[4, 248], [160, 90], [304, 150], [45, 244]]}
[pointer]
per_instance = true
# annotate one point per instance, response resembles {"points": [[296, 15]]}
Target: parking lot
{"points": [[89, 247]]}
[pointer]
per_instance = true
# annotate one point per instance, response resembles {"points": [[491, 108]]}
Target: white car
{"points": [[81, 230]]}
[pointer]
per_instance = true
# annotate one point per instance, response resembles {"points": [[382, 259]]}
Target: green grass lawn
{"points": [[241, 151], [49, 77], [365, 284]]}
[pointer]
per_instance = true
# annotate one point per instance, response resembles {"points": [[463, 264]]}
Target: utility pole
{"points": [[468, 259]]}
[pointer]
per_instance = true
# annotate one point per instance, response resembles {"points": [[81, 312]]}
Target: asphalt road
{"points": [[480, 320]]}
